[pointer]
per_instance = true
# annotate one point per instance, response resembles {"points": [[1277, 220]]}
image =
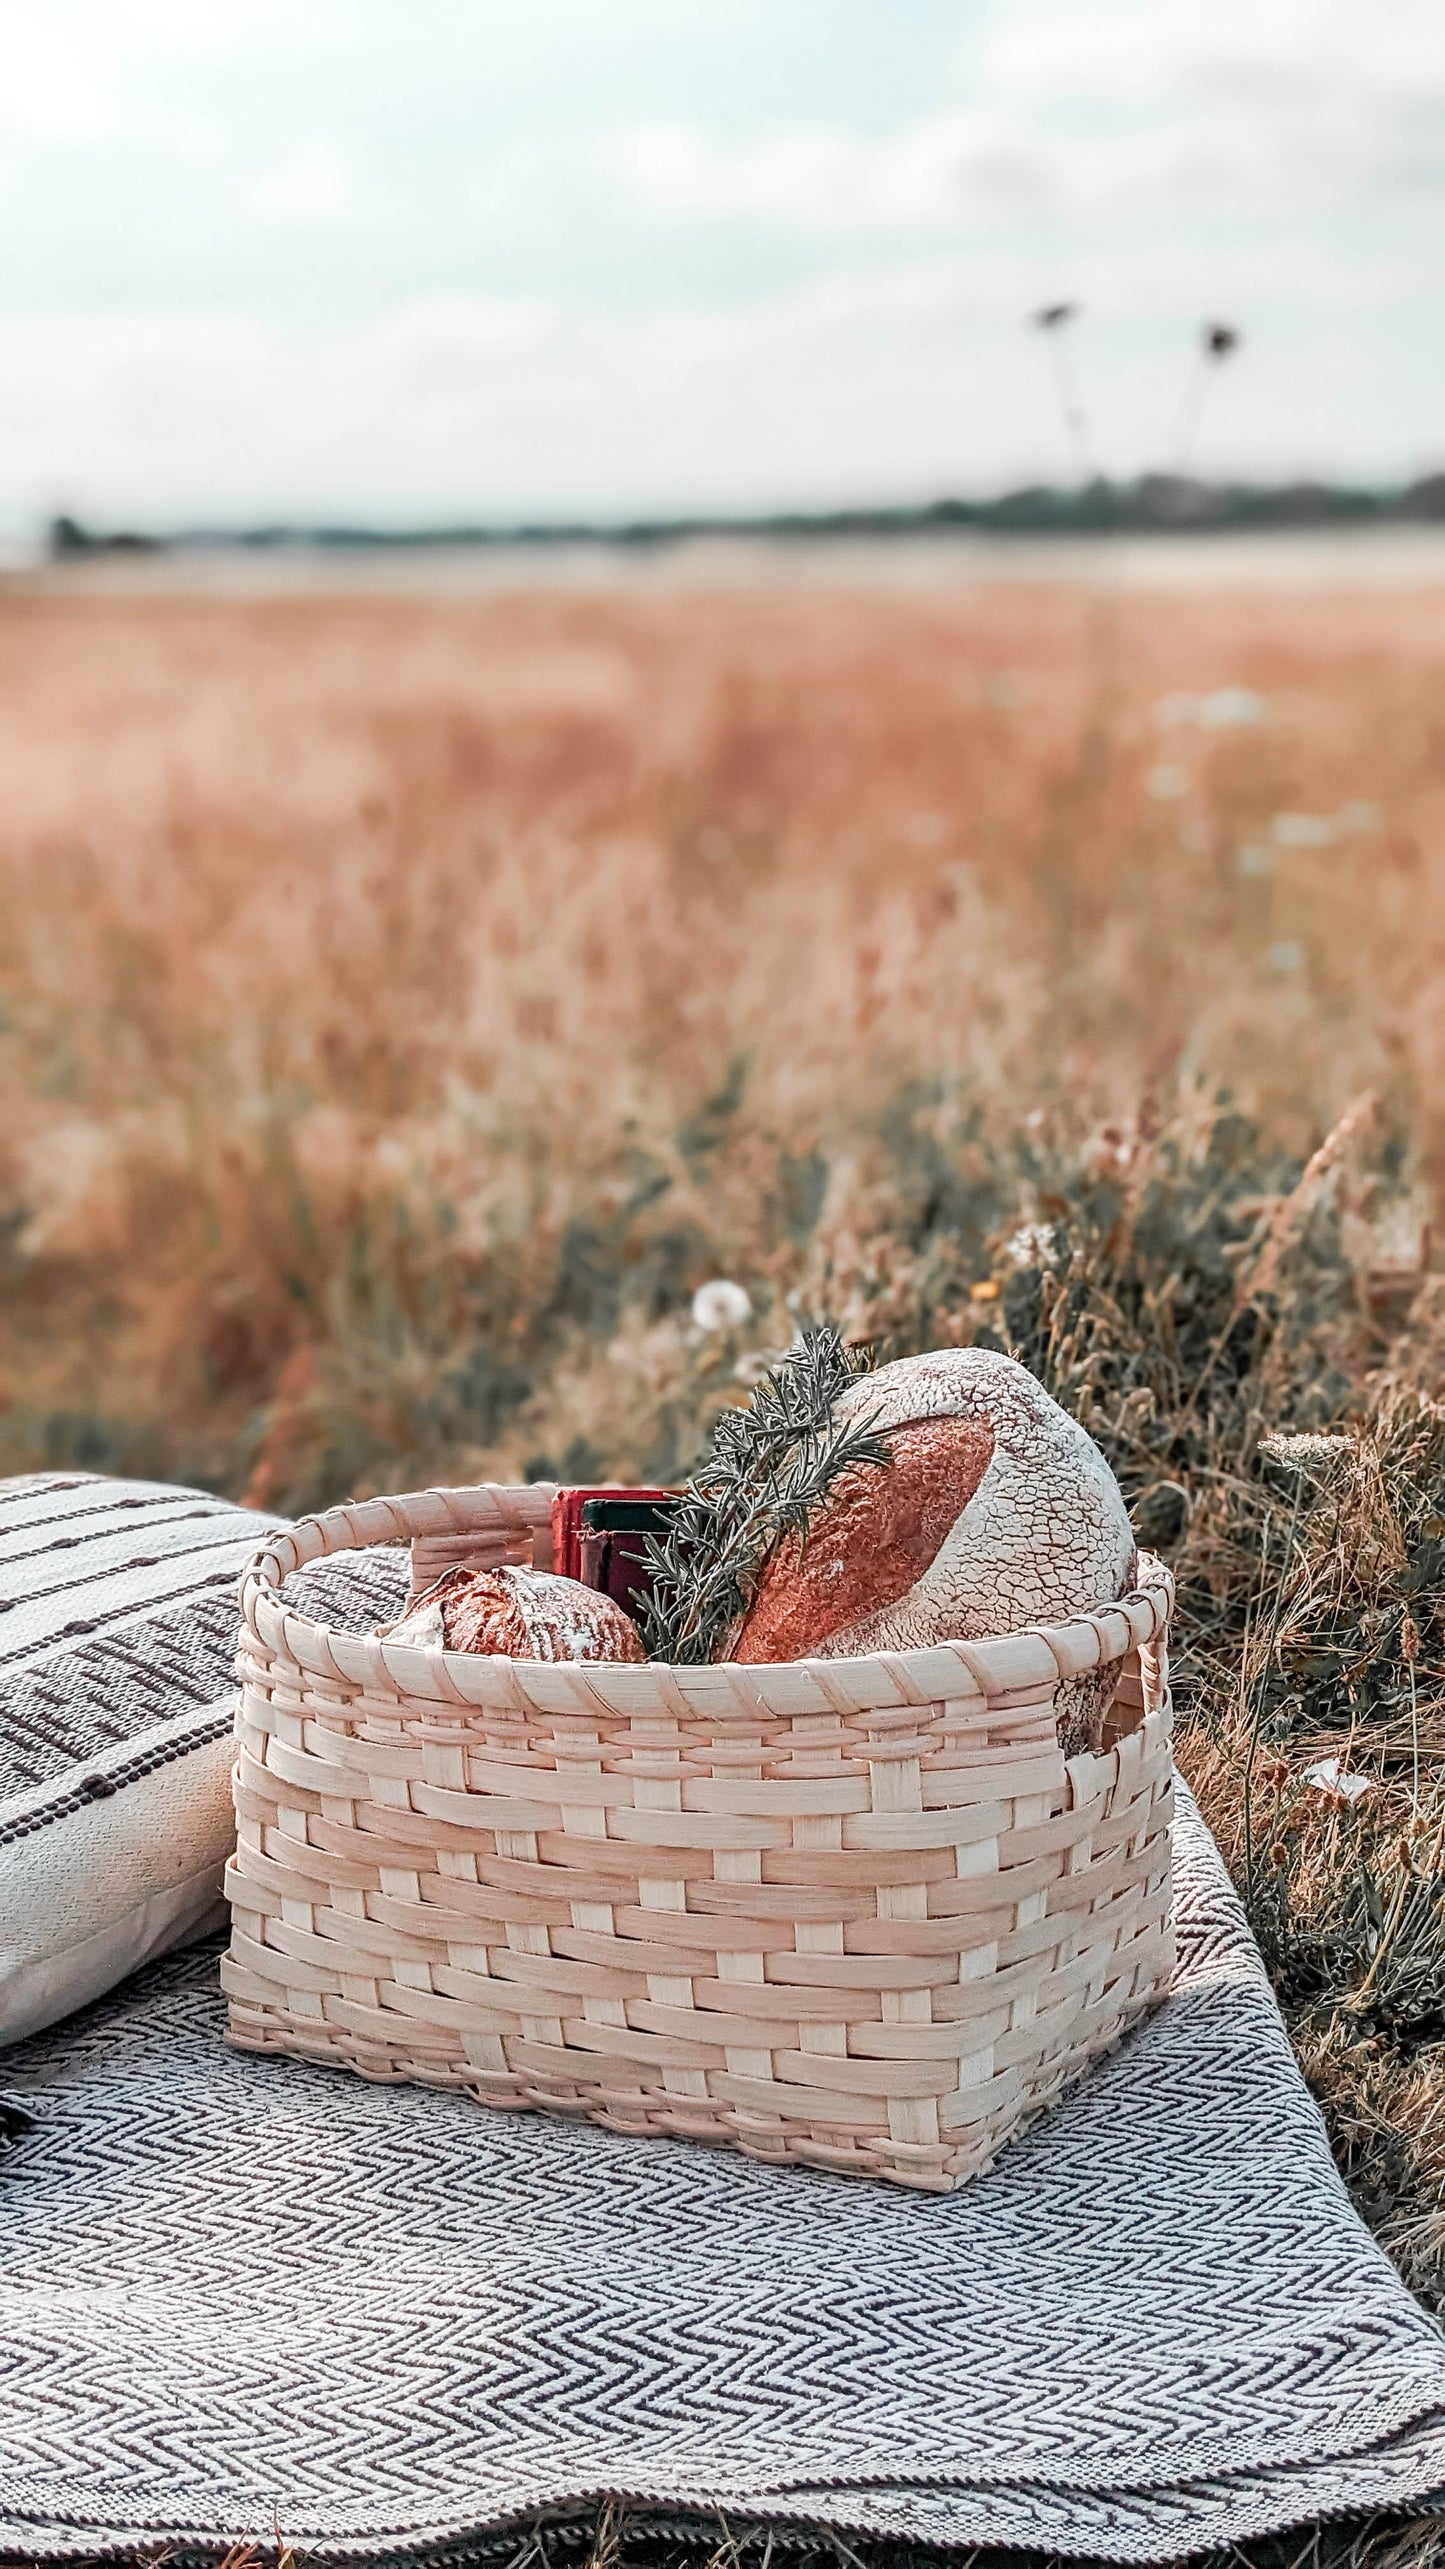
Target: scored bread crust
{"points": [[516, 1613], [1041, 1534], [875, 1535]]}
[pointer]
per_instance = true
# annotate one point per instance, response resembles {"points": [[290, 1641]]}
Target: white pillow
{"points": [[117, 1638]]}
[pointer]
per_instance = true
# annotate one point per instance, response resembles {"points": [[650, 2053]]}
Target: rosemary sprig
{"points": [[768, 1470]]}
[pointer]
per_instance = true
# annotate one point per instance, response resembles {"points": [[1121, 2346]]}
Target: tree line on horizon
{"points": [[1152, 502]]}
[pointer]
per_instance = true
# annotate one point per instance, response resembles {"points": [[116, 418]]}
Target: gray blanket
{"points": [[241, 2294]]}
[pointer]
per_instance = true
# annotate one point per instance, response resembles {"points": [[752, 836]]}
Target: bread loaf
{"points": [[996, 1510], [516, 1613]]}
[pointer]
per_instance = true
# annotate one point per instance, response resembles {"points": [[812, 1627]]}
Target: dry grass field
{"points": [[406, 1005]]}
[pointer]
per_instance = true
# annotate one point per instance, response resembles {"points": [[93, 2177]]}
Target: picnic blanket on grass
{"points": [[237, 2294]]}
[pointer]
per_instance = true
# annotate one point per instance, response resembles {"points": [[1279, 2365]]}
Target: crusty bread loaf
{"points": [[996, 1510], [516, 1613]]}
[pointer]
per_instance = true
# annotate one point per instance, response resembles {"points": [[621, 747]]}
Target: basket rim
{"points": [[1035, 1658]]}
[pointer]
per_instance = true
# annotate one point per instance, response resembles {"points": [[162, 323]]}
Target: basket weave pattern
{"points": [[854, 1912]]}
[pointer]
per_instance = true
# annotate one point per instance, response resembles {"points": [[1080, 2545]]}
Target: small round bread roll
{"points": [[514, 1613]]}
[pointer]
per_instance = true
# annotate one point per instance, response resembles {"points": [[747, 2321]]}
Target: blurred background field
{"points": [[409, 1003]]}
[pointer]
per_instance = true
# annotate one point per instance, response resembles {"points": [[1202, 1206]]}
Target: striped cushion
{"points": [[117, 1635]]}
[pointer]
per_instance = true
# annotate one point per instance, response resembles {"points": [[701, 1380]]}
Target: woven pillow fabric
{"points": [[117, 1638]]}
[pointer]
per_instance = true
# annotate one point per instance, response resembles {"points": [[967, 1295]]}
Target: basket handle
{"points": [[489, 1509]]}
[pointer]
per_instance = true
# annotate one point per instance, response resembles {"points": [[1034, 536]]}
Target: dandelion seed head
{"points": [[720, 1304]]}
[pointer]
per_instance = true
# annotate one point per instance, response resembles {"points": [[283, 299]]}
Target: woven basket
{"points": [[857, 1912]]}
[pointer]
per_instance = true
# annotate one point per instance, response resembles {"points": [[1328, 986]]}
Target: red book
{"points": [[599, 1536]]}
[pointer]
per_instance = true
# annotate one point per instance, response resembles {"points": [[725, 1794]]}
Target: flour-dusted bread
{"points": [[117, 1692], [518, 1614], [996, 1510]]}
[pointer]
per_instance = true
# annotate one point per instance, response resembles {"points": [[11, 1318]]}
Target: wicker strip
{"points": [[858, 1913]]}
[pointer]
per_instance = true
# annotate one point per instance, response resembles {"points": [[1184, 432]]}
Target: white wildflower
{"points": [[1229, 706], [1333, 1778], [1303, 829], [1167, 784], [1287, 956], [1312, 1456], [1108, 1153], [720, 1304], [1221, 710], [1254, 861], [1032, 1245]]}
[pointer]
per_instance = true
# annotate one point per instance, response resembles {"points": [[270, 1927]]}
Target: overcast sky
{"points": [[411, 258]]}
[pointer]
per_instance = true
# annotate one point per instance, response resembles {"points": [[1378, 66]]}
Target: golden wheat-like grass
{"points": [[361, 959]]}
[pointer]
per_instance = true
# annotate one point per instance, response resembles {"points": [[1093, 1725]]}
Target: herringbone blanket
{"points": [[241, 2294]]}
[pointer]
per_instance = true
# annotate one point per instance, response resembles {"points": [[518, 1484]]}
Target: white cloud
{"points": [[1145, 108], [49, 90], [316, 183], [1144, 51], [69, 66], [933, 174]]}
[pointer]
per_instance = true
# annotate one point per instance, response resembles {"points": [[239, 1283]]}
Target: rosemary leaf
{"points": [[769, 1468]]}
